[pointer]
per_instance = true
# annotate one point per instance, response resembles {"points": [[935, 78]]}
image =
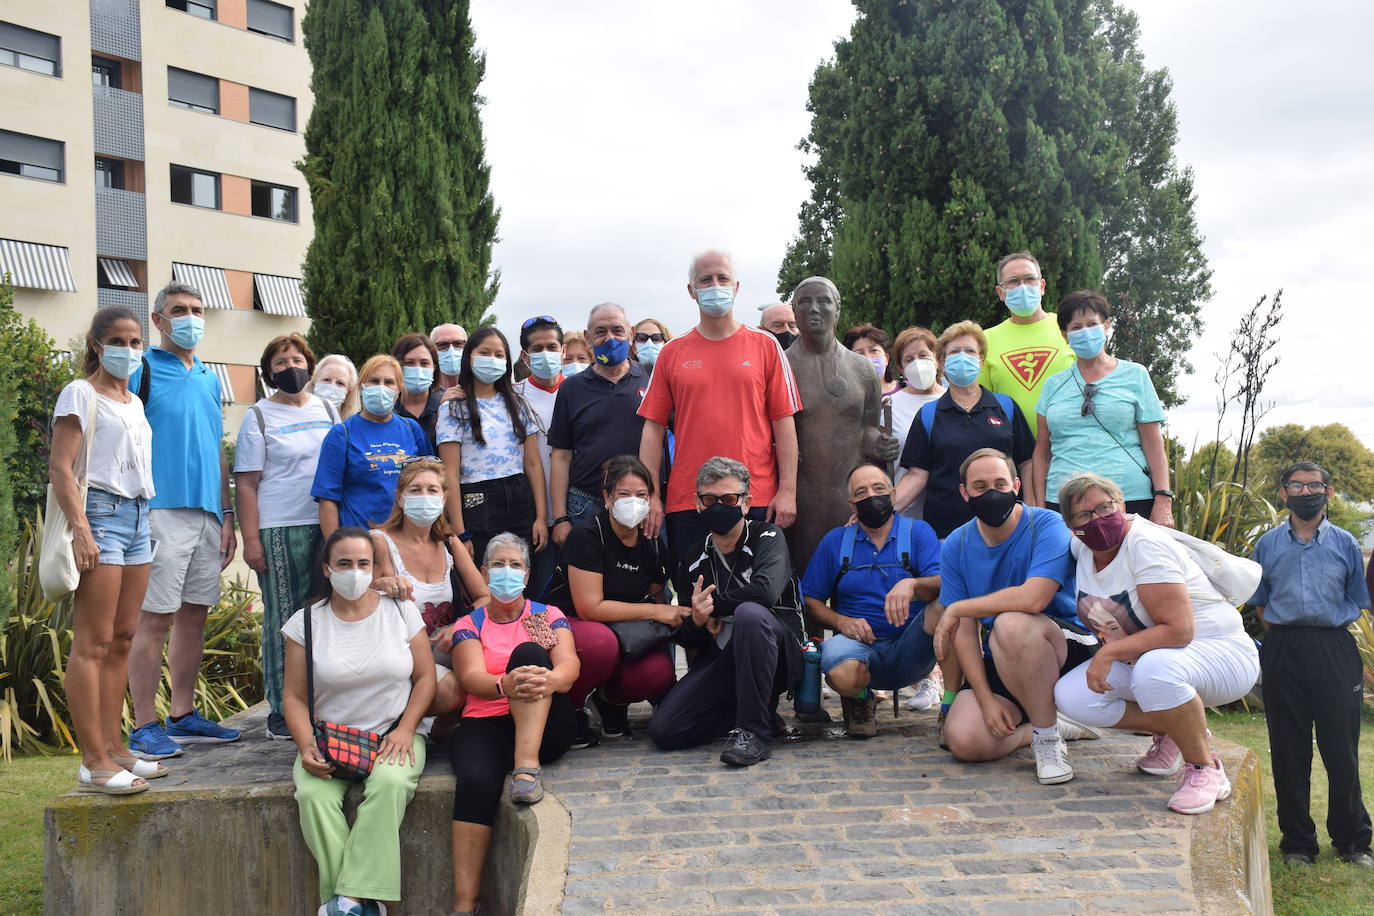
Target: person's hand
{"points": [[394, 587], [1163, 512], [442, 639], [856, 628], [944, 633], [314, 763], [653, 522], [561, 532], [886, 448], [670, 614], [228, 542], [1097, 672], [452, 394], [714, 625], [539, 534], [398, 747], [997, 717], [897, 606], [702, 602], [84, 550], [782, 511], [527, 684], [254, 555]]}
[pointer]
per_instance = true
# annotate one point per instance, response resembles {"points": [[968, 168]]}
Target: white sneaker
{"points": [[927, 696], [1071, 730], [1051, 761]]}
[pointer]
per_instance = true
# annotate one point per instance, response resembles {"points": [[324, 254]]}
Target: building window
{"points": [[109, 173], [32, 157], [267, 18], [205, 9], [194, 187], [271, 109], [192, 90], [274, 201], [30, 50], [104, 72]]}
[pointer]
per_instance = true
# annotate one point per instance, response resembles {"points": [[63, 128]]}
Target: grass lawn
{"points": [[27, 784], [1330, 886]]}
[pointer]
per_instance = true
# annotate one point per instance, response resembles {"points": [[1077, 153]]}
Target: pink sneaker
{"points": [[1200, 788], [1162, 759]]}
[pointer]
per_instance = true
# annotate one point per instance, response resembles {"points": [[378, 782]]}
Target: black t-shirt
{"points": [[597, 419], [626, 572]]}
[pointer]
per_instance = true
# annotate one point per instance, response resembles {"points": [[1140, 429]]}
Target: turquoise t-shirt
{"points": [[186, 416], [1107, 441]]}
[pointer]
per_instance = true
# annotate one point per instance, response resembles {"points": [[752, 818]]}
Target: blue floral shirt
{"points": [[503, 455]]}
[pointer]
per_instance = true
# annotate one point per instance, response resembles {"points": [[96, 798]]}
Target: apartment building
{"points": [[176, 159]]}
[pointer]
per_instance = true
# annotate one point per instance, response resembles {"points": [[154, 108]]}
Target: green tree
{"points": [[948, 134], [404, 221], [1332, 446]]}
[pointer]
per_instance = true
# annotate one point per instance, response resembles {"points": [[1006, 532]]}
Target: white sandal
{"points": [[148, 769], [117, 782]]}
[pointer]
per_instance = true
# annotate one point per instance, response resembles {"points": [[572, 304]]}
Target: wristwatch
{"points": [[465, 536], [1168, 493]]}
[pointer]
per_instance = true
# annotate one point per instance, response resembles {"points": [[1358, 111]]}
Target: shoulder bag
{"points": [[57, 572]]}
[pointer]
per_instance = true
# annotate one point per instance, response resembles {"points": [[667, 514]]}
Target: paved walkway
{"points": [[891, 825]]}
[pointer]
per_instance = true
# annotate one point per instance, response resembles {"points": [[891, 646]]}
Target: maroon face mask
{"points": [[1101, 534]]}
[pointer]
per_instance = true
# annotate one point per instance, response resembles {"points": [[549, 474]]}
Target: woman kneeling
{"points": [[1171, 645], [373, 670]]}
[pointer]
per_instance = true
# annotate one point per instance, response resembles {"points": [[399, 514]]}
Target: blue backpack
{"points": [[927, 411], [901, 532]]}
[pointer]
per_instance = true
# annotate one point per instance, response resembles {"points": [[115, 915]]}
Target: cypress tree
{"points": [[404, 221], [948, 134]]}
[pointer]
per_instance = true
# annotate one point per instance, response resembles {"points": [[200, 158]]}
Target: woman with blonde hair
{"points": [[336, 381], [577, 353], [647, 340]]}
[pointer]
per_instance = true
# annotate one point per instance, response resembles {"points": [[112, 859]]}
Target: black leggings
{"points": [[482, 749]]}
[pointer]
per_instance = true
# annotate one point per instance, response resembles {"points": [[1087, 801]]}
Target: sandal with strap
{"points": [[526, 791], [117, 782], [148, 769]]}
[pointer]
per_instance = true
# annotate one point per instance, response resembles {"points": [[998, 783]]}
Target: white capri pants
{"points": [[1219, 669]]}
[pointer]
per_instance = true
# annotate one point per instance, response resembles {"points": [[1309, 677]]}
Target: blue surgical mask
{"points": [[962, 369], [121, 362], [612, 352], [1088, 342], [417, 378], [378, 399], [546, 365], [187, 330], [1024, 300], [648, 352], [573, 368], [422, 509], [488, 368], [506, 583], [716, 300], [451, 360]]}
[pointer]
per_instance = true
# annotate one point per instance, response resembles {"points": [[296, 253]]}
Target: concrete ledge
{"points": [[1230, 847]]}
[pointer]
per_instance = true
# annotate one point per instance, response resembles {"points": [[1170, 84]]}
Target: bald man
{"points": [[778, 320], [449, 340]]}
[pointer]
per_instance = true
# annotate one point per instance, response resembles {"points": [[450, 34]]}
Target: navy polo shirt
{"points": [[872, 573], [597, 419], [955, 435], [1316, 583]]}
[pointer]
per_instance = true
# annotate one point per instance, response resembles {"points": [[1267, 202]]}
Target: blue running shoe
{"points": [[150, 742], [193, 728]]}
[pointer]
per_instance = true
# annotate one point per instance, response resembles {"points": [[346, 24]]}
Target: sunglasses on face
{"points": [[645, 338], [726, 499]]}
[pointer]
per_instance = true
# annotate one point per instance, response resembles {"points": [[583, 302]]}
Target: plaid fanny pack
{"points": [[351, 750]]}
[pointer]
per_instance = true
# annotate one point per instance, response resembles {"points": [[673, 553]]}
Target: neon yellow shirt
{"points": [[1021, 357]]}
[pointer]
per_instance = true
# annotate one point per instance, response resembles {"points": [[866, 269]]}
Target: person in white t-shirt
{"points": [[110, 543], [1171, 645], [274, 467], [372, 670]]}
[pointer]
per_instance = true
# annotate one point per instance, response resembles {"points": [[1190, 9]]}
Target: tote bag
{"points": [[57, 572]]}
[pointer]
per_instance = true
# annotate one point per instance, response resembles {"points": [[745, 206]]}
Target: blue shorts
{"points": [[892, 662], [120, 527]]}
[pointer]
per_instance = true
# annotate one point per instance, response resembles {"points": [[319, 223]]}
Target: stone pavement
{"points": [[891, 825]]}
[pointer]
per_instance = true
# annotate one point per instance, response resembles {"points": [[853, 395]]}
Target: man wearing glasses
{"points": [[1028, 347], [1312, 589], [449, 340], [745, 625]]}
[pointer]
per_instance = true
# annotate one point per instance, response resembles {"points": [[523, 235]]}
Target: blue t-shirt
{"points": [[1316, 583], [184, 411], [360, 462], [1078, 443], [872, 573], [970, 568]]}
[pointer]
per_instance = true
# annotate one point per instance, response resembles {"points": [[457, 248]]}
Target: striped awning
{"points": [[226, 387], [35, 266], [117, 273], [279, 295], [210, 281]]}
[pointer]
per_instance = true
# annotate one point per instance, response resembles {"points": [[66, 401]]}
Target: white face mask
{"points": [[422, 509], [331, 393], [630, 510], [350, 583], [920, 373]]}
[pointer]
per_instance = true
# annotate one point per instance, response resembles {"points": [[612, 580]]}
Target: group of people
{"points": [[503, 549]]}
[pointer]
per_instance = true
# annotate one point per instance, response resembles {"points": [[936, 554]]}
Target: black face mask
{"points": [[785, 338], [1308, 506], [290, 380], [874, 511], [994, 507], [720, 518]]}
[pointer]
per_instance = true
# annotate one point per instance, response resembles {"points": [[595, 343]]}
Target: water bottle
{"points": [[808, 699]]}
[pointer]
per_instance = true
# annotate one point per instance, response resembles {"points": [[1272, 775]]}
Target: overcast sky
{"points": [[625, 136]]}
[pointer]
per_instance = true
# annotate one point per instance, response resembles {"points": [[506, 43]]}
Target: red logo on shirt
{"points": [[642, 392], [1029, 365], [994, 420]]}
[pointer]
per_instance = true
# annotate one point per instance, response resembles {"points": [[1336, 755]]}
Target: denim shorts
{"points": [[582, 505], [120, 527], [892, 662]]}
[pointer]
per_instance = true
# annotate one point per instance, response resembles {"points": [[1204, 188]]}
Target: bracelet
{"points": [[500, 690], [465, 536], [560, 520]]}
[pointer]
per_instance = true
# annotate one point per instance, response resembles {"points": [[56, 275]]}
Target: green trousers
{"points": [[363, 862]]}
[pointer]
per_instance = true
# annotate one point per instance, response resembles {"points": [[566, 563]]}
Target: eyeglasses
{"points": [[726, 499], [1102, 511], [1089, 392], [645, 338], [450, 345], [1296, 487], [1013, 282], [536, 319]]}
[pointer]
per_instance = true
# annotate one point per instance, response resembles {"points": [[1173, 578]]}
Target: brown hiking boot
{"points": [[859, 716]]}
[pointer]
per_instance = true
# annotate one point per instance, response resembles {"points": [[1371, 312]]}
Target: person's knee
{"points": [[750, 615], [1159, 682], [154, 626], [392, 780], [529, 653], [848, 677], [968, 739], [1073, 698]]}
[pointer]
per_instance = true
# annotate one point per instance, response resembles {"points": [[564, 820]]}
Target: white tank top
{"points": [[434, 599]]}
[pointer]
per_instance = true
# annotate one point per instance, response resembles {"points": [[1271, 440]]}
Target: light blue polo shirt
{"points": [[184, 411]]}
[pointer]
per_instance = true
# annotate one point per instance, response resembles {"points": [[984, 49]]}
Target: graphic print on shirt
{"points": [[1110, 618], [395, 458], [437, 614], [1028, 364]]}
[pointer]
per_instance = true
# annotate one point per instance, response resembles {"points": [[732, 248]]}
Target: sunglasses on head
{"points": [[547, 319]]}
